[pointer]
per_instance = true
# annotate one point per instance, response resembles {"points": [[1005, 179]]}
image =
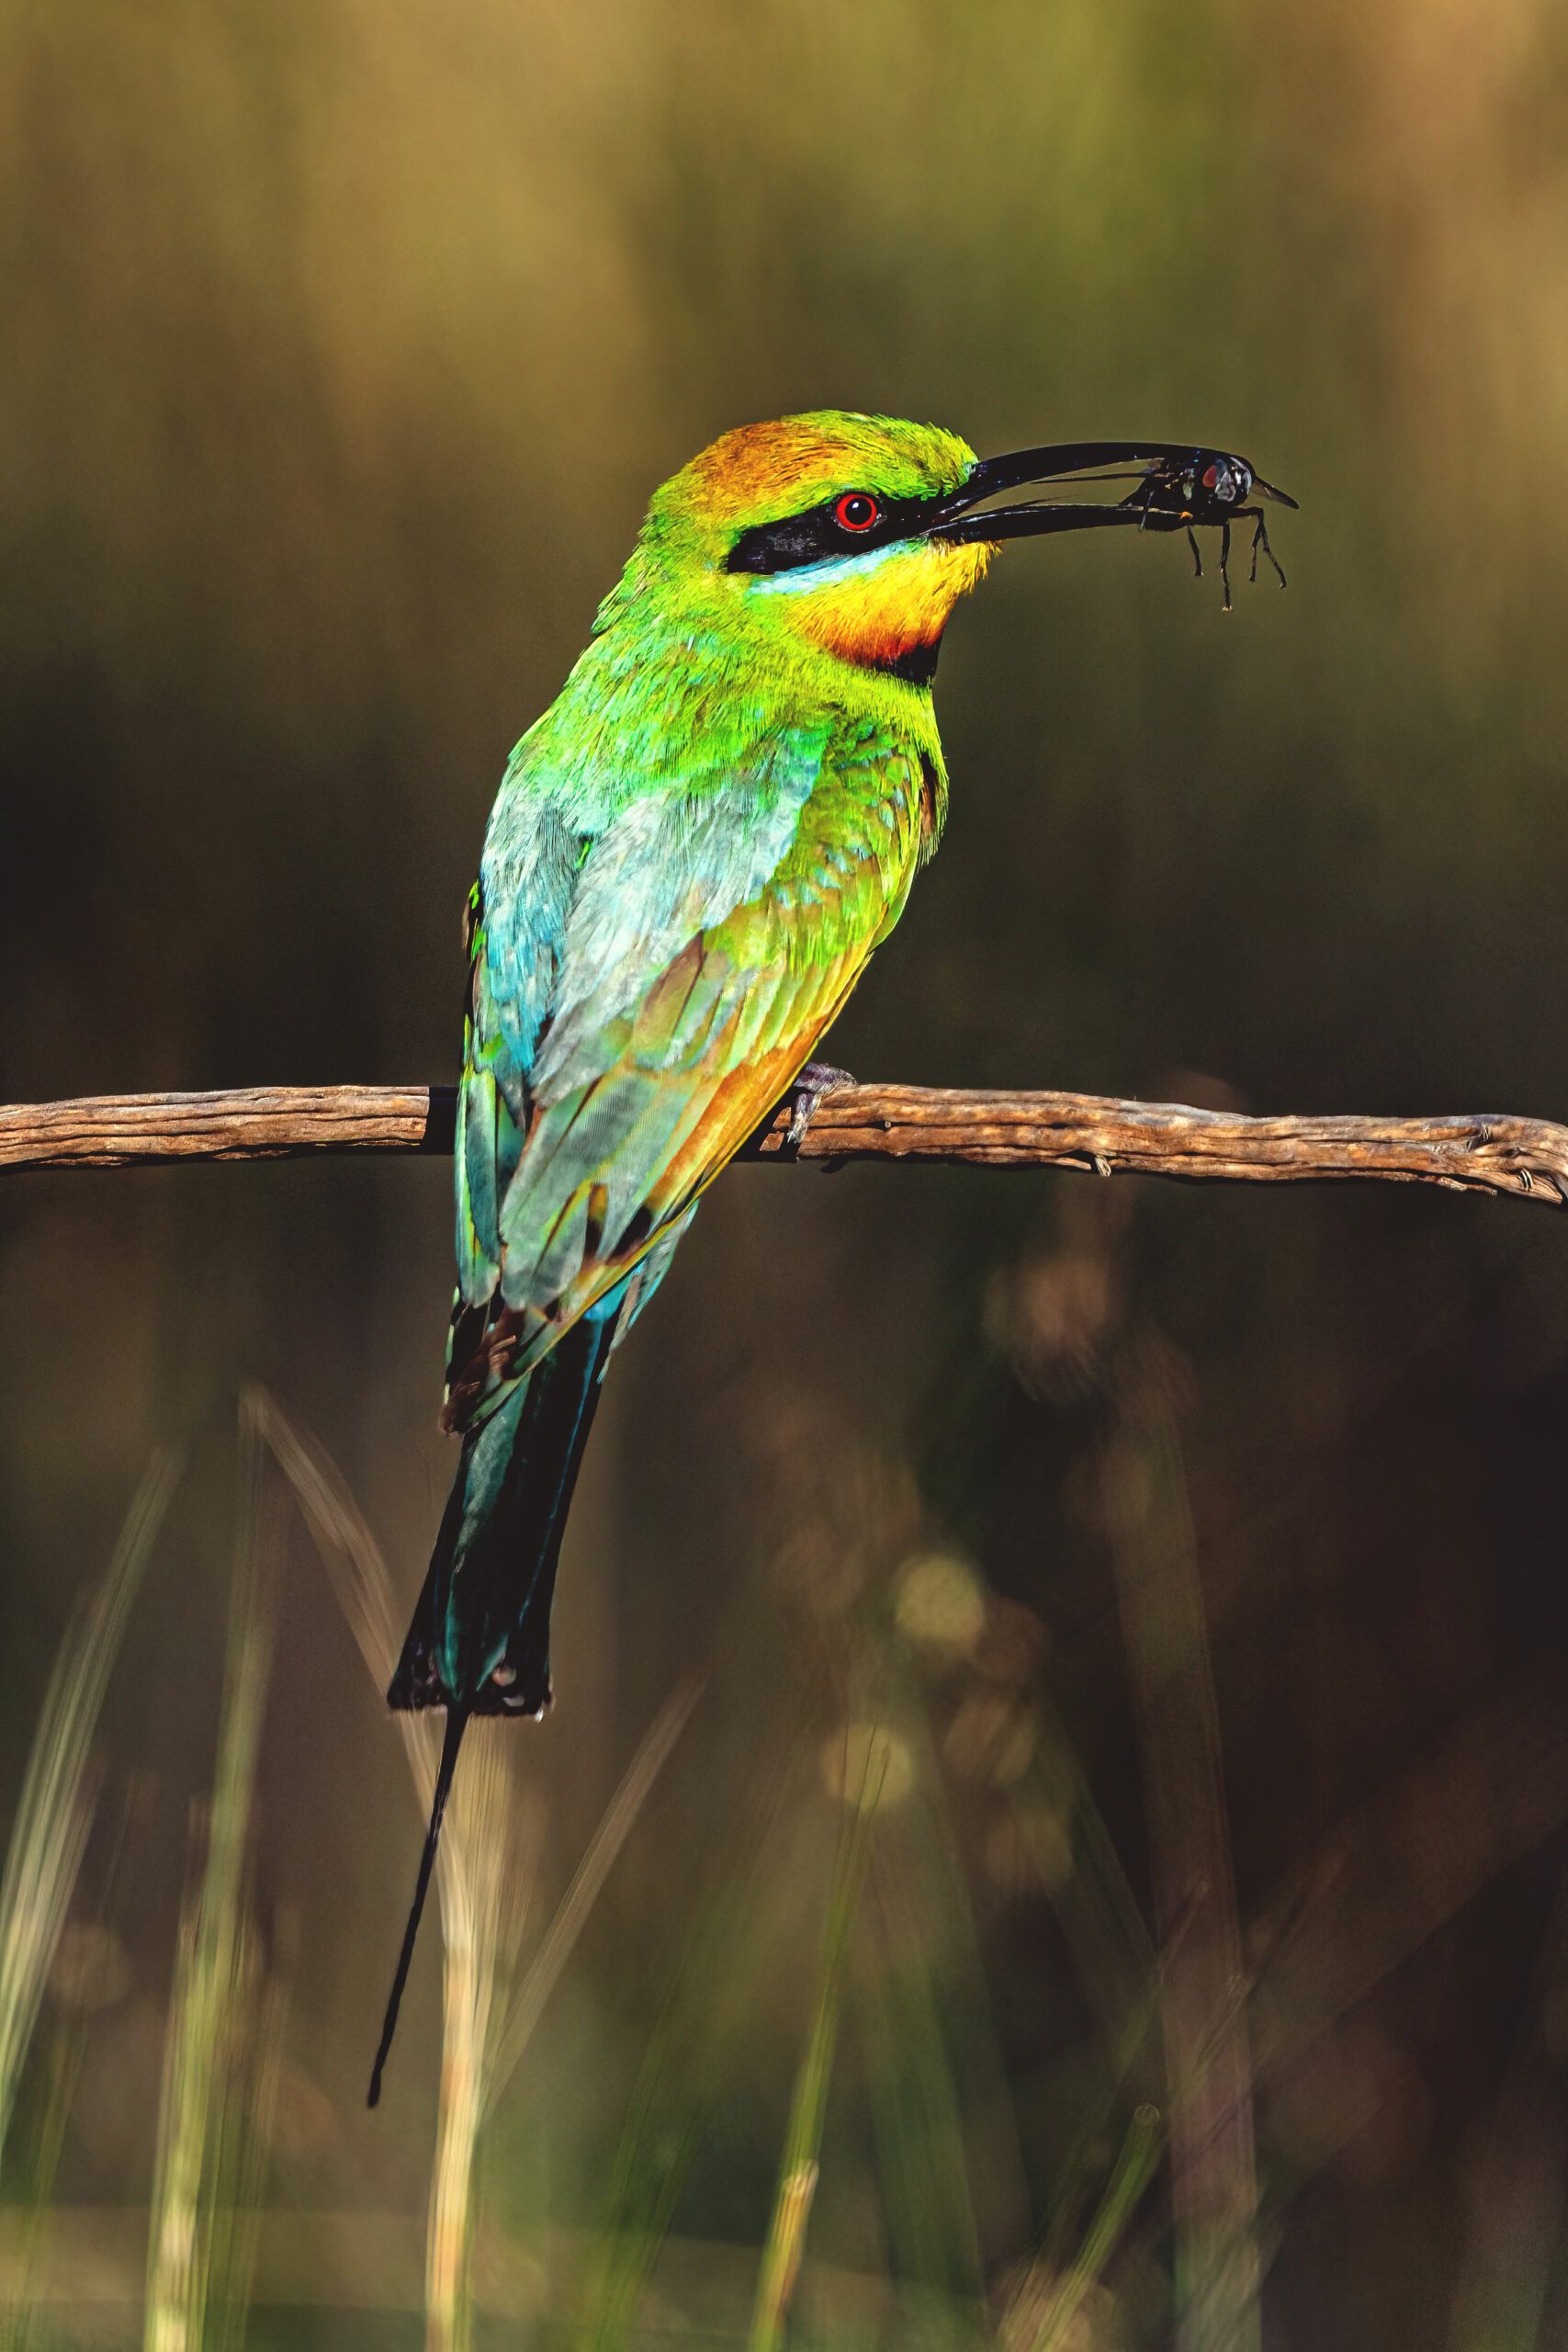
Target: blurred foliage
{"points": [[342, 346]]}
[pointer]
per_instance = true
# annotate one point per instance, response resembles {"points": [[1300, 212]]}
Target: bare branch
{"points": [[1488, 1153], [241, 1122]]}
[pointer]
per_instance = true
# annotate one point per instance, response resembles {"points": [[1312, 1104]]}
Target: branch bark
{"points": [[1488, 1153]]}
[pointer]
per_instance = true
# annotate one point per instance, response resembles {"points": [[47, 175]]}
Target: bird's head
{"points": [[817, 526], [857, 535]]}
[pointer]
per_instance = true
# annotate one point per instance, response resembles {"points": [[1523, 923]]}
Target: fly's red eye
{"points": [[1211, 478], [856, 511]]}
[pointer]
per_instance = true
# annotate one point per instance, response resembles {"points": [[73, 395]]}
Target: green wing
{"points": [[639, 999]]}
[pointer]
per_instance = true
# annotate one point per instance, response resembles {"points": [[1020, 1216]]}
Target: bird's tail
{"points": [[456, 1724], [479, 1642], [480, 1636]]}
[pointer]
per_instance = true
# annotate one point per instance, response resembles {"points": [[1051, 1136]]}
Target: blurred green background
{"points": [[341, 347]]}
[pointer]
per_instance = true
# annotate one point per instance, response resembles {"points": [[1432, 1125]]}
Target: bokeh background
{"points": [[342, 346]]}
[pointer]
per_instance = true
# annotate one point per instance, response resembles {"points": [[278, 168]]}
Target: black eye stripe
{"points": [[818, 535]]}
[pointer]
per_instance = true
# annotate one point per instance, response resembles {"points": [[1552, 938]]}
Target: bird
{"points": [[692, 856]]}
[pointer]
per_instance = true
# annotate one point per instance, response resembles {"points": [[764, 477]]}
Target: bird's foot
{"points": [[817, 1079]]}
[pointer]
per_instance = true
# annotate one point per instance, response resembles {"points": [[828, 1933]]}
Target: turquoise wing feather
{"points": [[633, 988], [570, 933]]}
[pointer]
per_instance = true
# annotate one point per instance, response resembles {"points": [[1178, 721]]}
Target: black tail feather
{"points": [[479, 1642], [480, 1631], [456, 1725]]}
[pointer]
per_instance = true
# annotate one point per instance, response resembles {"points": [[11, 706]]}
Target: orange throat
{"points": [[889, 612]]}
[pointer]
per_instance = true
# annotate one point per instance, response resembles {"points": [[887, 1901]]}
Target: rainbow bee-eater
{"points": [[692, 856]]}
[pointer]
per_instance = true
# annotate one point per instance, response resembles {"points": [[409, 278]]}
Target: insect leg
{"points": [[1226, 558], [1260, 539], [1197, 558]]}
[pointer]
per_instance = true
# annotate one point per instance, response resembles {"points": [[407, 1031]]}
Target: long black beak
{"points": [[1174, 485]]}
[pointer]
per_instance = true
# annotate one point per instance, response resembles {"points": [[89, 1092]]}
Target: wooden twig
{"points": [[1491, 1153], [240, 1123]]}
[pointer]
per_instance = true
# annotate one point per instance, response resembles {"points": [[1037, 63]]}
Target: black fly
{"points": [[1176, 487], [1207, 488]]}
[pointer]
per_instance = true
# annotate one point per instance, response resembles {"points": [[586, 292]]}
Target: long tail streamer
{"points": [[456, 1725]]}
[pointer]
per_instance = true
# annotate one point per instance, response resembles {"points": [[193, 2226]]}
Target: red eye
{"points": [[856, 511]]}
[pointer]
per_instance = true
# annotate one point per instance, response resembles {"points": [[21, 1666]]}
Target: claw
{"points": [[814, 1080]]}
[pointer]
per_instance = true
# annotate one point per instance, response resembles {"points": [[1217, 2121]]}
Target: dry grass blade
{"points": [[545, 1968], [1409, 1858], [482, 1871], [1041, 2314], [54, 1814], [906, 2006], [693, 2051], [1519, 2180], [785, 2244], [1094, 1904], [1208, 2059], [477, 1878], [221, 1967], [352, 1557], [238, 2224], [359, 1576], [473, 1875]]}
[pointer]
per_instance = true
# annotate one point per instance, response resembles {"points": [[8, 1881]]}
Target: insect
{"points": [[1175, 487], [1213, 488]]}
